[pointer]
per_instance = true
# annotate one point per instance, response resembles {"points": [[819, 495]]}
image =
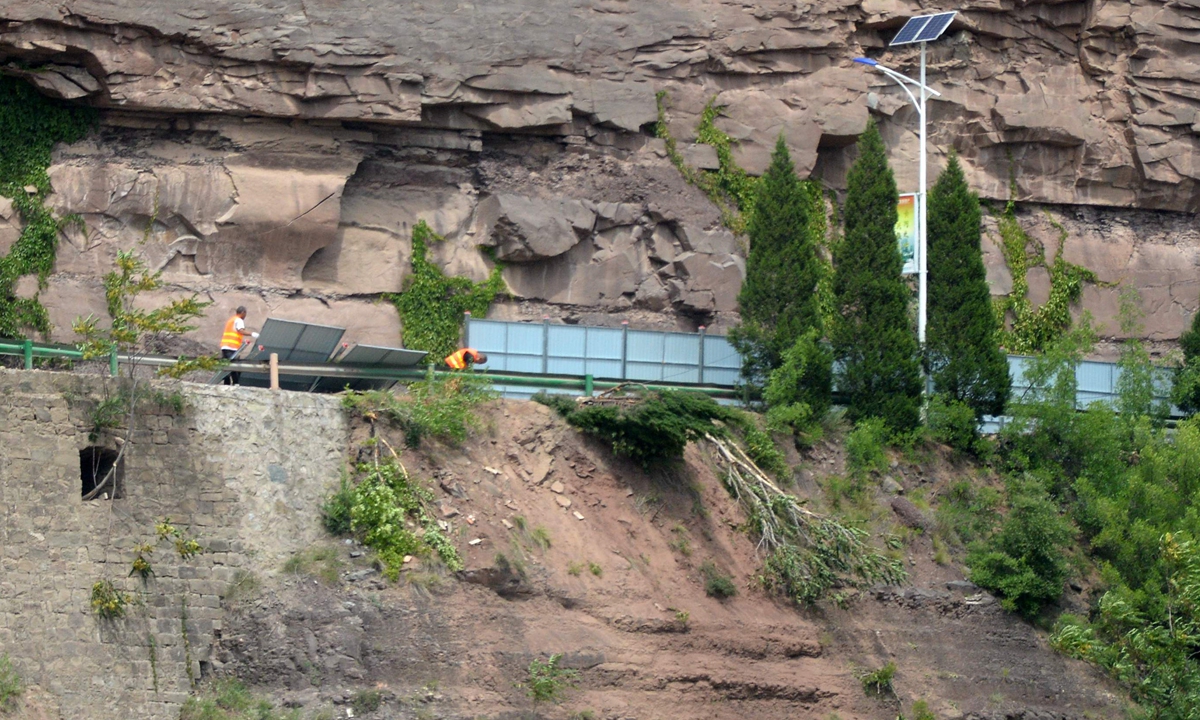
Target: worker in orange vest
{"points": [[465, 358], [232, 340]]}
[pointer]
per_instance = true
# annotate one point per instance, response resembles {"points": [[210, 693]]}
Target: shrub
{"points": [[652, 427], [879, 682], [384, 506], [230, 699], [968, 512], [864, 447], [716, 583], [953, 422], [335, 511], [547, 681], [365, 701], [1024, 562], [799, 391]]}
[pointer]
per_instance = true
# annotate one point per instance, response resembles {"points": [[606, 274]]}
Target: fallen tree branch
{"points": [[806, 553]]}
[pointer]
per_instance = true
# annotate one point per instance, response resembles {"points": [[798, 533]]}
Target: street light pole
{"points": [[918, 101]]}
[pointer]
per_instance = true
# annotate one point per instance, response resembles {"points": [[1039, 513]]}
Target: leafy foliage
{"points": [[864, 447], [1025, 562], [1151, 653], [953, 422], [800, 390], [654, 427], [30, 126], [879, 682], [549, 681], [962, 349], [108, 602], [431, 307], [1033, 329], [389, 512], [872, 336]]}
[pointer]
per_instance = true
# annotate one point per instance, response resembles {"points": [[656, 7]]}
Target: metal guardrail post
{"points": [[701, 378], [545, 344], [466, 328], [27, 351], [112, 362], [588, 385], [624, 348]]}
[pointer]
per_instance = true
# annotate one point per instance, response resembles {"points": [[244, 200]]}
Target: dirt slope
{"points": [[648, 641]]}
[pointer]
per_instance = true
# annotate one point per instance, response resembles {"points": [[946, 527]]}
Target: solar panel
{"points": [[924, 28], [296, 342], [377, 356]]}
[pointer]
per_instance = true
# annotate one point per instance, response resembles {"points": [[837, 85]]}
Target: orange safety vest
{"points": [[458, 360], [232, 338]]}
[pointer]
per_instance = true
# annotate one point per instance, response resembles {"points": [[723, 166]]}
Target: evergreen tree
{"points": [[962, 350], [779, 300], [1186, 393], [873, 339]]}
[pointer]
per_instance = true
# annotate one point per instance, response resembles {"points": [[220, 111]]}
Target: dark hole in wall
{"points": [[94, 464]]}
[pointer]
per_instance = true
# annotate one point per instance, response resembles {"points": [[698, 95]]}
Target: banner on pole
{"points": [[906, 232]]}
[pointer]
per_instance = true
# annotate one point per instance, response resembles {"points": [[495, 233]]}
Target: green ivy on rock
{"points": [[1026, 329], [431, 307], [30, 126]]}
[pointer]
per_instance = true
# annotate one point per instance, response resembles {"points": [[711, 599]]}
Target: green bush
{"points": [[1025, 561], [953, 422], [385, 506], [654, 427], [11, 686], [716, 583], [547, 681], [335, 511], [864, 447], [968, 512], [799, 392], [879, 682]]}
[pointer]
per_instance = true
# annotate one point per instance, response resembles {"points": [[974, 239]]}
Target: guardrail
{"points": [[526, 357]]}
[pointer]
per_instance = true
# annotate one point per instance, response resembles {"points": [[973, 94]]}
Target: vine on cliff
{"points": [[30, 125], [729, 187], [1026, 329], [431, 307]]}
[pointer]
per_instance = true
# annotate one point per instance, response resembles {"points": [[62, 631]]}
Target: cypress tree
{"points": [[778, 301], [1186, 393], [873, 339], [962, 349]]}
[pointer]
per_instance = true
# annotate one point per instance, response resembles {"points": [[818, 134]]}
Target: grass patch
{"points": [[595, 569], [11, 686], [244, 586], [321, 563], [232, 700], [574, 569], [365, 701]]}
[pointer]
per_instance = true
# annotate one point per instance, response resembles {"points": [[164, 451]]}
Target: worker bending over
{"points": [[465, 358], [232, 340]]}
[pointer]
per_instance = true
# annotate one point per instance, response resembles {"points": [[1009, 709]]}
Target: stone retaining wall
{"points": [[244, 470]]}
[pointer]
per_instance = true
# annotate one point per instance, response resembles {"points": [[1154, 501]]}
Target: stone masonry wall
{"points": [[243, 469]]}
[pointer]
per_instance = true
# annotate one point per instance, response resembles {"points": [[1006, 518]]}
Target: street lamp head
{"points": [[866, 61]]}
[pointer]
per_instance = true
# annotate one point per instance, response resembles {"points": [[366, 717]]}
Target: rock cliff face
{"points": [[285, 147]]}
